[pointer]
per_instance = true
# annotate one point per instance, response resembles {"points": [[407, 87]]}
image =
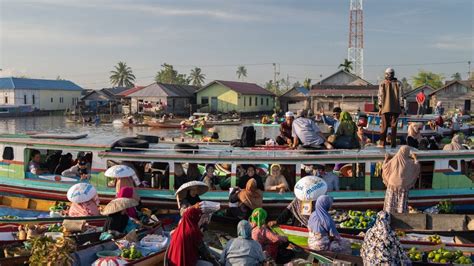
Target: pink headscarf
{"points": [[127, 192], [400, 172], [88, 208], [126, 182]]}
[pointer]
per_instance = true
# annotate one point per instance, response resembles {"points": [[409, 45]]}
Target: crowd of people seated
{"points": [[58, 163]]}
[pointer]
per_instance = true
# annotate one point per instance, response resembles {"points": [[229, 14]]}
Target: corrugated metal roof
{"points": [[346, 90], [130, 91], [242, 87], [165, 90], [38, 84]]}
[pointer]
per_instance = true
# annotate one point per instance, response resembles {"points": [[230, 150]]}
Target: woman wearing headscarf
{"points": [[414, 135], [193, 171], [242, 250], [293, 212], [187, 245], [250, 173], [85, 208], [127, 192], [245, 200], [323, 234], [346, 133], [126, 182], [455, 145], [180, 176], [209, 177], [191, 199], [399, 175], [273, 244], [381, 245], [276, 181]]}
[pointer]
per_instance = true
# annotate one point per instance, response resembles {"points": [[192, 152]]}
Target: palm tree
{"points": [[196, 77], [307, 83], [241, 72], [346, 65], [456, 76], [122, 76]]}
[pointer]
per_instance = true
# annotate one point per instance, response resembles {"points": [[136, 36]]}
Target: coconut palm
{"points": [[346, 65], [196, 77], [241, 72], [307, 83], [456, 76], [122, 76]]}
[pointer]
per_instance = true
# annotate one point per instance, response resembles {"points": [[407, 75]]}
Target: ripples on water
{"points": [[57, 124]]}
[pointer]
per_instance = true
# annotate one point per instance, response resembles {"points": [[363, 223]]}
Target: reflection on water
{"points": [[57, 124]]}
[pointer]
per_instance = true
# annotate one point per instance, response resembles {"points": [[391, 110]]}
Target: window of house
{"points": [[268, 101], [205, 100], [24, 99], [6, 99], [261, 101], [256, 101], [33, 99], [245, 101], [51, 99], [250, 101], [8, 153]]}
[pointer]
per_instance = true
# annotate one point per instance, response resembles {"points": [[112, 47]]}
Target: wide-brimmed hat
{"points": [[119, 171], [309, 188], [118, 205], [345, 170], [81, 192], [183, 189]]}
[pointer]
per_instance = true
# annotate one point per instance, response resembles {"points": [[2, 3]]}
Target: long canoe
{"points": [[299, 236]]}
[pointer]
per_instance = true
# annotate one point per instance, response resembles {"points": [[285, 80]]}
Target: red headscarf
{"points": [[127, 192], [183, 249]]}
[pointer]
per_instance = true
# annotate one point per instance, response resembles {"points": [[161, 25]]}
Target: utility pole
{"points": [[468, 72], [275, 74]]}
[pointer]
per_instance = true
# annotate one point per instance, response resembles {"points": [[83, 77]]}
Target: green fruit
{"points": [[448, 255], [442, 261], [418, 257], [413, 249], [431, 255], [437, 257]]}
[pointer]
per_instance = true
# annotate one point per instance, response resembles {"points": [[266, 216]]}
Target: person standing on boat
{"points": [[306, 132], [245, 200], [390, 100], [273, 244], [334, 120], [242, 250], [285, 137], [399, 175], [187, 245], [381, 245], [34, 166], [251, 173], [323, 235], [439, 109], [420, 100]]}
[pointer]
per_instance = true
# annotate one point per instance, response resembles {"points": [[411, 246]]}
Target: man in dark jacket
{"points": [[390, 99]]}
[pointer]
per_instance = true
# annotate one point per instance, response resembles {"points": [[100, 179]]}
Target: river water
{"points": [[57, 124]]}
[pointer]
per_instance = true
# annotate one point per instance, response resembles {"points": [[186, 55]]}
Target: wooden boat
{"points": [[227, 122], [445, 174], [161, 124], [126, 124], [299, 236], [265, 125]]}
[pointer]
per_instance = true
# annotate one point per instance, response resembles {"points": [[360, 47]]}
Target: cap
{"points": [[389, 70], [289, 113]]}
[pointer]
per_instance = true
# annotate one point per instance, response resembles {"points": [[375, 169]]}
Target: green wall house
{"points": [[243, 97]]}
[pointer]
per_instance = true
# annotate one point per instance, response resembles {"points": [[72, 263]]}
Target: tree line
{"points": [[122, 76]]}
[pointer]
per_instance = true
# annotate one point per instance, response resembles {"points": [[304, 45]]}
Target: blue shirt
{"points": [[241, 251]]}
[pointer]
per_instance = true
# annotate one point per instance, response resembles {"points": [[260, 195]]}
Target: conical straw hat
{"points": [[118, 205], [81, 192], [119, 171], [182, 190]]}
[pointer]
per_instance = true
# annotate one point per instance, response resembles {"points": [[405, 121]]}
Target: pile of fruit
{"points": [[360, 220], [415, 255], [131, 254], [445, 206], [58, 206], [435, 239], [55, 228], [445, 256], [340, 217]]}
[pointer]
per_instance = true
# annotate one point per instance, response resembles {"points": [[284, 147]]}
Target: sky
{"points": [[82, 40]]}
